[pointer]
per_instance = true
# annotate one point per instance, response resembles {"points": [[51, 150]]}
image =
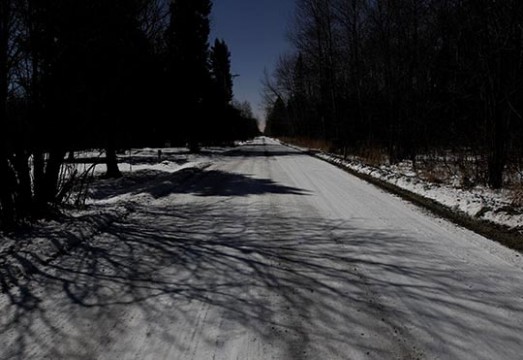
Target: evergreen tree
{"points": [[188, 67], [73, 75], [277, 119], [221, 70]]}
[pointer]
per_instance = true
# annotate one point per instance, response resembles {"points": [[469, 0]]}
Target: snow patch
{"points": [[480, 202]]}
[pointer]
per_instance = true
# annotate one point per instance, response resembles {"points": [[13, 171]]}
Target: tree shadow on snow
{"points": [[133, 287], [266, 151], [203, 183]]}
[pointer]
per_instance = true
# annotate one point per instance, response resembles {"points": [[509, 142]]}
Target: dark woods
{"points": [[405, 77], [104, 74]]}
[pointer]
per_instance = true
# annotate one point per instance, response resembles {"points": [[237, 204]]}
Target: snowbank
{"points": [[479, 202]]}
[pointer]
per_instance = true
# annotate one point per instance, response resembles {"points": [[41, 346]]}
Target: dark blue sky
{"points": [[255, 31]]}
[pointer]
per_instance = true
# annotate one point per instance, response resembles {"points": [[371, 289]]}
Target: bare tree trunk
{"points": [[113, 171], [38, 182], [502, 71], [52, 173], [7, 211], [46, 174], [24, 196], [496, 160], [497, 132]]}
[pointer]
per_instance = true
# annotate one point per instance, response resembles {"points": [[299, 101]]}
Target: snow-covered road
{"points": [[270, 254]]}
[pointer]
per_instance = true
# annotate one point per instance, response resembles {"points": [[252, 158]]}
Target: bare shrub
{"points": [[74, 184], [516, 195]]}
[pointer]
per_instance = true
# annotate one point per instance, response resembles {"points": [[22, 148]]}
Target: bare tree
{"points": [[6, 201]]}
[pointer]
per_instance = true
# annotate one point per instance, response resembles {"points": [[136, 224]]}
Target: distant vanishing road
{"points": [[271, 254]]}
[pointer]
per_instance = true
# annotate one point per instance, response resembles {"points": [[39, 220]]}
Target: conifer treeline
{"points": [[104, 74], [406, 76]]}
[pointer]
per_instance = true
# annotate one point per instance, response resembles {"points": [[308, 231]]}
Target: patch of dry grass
{"points": [[433, 175], [375, 156], [312, 144], [516, 195]]}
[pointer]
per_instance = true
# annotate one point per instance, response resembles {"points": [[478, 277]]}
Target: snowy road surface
{"points": [[270, 254]]}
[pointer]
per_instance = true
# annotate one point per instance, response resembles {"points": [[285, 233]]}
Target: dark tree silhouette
{"points": [[405, 77], [277, 120], [221, 70], [6, 201], [74, 79], [77, 75], [188, 67]]}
